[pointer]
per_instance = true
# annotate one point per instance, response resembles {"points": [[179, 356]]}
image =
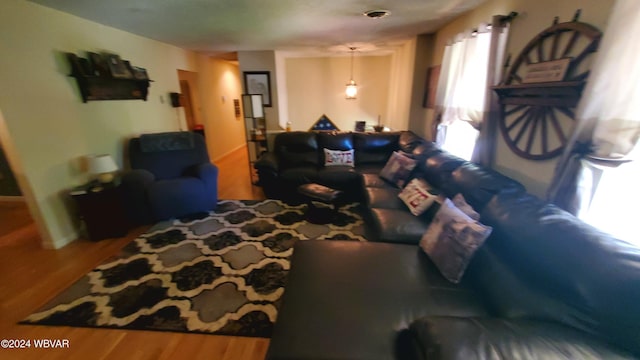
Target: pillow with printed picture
{"points": [[398, 168], [418, 196], [452, 239], [338, 158]]}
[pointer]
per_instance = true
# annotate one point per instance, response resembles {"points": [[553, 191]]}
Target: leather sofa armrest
{"points": [[267, 162], [443, 337]]}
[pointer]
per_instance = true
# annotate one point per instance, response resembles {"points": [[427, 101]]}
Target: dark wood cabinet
{"points": [[102, 212]]}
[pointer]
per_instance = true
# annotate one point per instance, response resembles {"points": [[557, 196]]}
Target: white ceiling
{"points": [[222, 26]]}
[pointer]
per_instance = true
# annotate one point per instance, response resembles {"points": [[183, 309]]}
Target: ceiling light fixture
{"points": [[377, 14], [352, 89]]}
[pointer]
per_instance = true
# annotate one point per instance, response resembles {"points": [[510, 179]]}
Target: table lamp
{"points": [[103, 167]]}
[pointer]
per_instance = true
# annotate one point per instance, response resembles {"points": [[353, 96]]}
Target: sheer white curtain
{"points": [[468, 71], [603, 188]]}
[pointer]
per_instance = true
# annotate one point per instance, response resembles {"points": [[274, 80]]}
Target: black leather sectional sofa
{"points": [[543, 286]]}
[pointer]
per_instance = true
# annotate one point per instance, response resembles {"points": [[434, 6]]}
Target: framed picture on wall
{"points": [[430, 87], [117, 67], [258, 82]]}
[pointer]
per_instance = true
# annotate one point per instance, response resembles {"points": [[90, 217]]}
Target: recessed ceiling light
{"points": [[376, 14]]}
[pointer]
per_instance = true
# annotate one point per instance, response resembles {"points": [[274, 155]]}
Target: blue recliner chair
{"points": [[171, 177]]}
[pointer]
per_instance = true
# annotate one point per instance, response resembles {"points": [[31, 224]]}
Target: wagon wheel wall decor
{"points": [[542, 88]]}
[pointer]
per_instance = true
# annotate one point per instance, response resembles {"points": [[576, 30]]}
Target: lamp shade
{"points": [[252, 104], [101, 164], [352, 90]]}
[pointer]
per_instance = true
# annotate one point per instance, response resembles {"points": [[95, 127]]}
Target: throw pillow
{"points": [[451, 240], [461, 203], [398, 168], [338, 158], [417, 197]]}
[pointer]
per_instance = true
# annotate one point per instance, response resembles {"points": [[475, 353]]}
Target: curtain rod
{"points": [[508, 18]]}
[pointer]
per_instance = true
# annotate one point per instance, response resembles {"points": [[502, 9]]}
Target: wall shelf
{"points": [[107, 77], [561, 93], [93, 88]]}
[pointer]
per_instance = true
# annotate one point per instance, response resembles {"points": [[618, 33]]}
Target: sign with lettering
{"points": [[546, 71]]}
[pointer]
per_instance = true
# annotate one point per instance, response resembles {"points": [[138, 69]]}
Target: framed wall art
{"points": [[258, 82], [431, 87]]}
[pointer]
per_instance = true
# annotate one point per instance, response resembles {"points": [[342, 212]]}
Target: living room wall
{"points": [[534, 16], [315, 86], [45, 126], [220, 83]]}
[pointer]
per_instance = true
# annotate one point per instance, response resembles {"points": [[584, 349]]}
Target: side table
{"points": [[102, 211]]}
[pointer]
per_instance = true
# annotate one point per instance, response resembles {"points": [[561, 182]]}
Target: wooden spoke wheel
{"points": [[537, 117]]}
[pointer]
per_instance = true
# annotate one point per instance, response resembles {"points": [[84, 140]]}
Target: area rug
{"points": [[222, 272]]}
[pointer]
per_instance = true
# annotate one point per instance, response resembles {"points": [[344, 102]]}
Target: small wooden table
{"points": [[102, 211]]}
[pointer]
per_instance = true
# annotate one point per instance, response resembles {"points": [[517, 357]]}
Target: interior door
{"points": [[185, 100]]}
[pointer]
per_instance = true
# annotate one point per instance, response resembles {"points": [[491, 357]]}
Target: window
{"points": [[613, 207], [469, 68], [460, 139], [603, 188]]}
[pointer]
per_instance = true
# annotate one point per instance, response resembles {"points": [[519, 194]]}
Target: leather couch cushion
{"points": [[455, 338], [437, 169], [299, 175], [409, 141], [425, 150], [297, 148], [416, 146], [384, 198], [479, 184], [335, 141], [345, 300], [374, 148], [369, 168], [399, 226], [375, 181], [593, 278], [338, 177]]}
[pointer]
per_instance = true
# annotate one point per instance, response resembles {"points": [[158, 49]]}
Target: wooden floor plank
{"points": [[30, 276]]}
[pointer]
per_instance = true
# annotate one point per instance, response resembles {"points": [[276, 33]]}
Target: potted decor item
{"points": [[379, 127]]}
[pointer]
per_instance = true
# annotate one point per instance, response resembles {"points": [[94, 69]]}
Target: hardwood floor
{"points": [[234, 181], [30, 276]]}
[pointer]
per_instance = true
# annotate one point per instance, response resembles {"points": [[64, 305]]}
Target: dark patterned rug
{"points": [[219, 273]]}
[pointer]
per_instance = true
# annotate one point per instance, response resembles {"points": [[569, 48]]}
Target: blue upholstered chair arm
{"points": [[138, 177], [207, 172]]}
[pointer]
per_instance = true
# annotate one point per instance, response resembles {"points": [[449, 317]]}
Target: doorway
{"points": [[187, 104], [16, 223], [189, 99]]}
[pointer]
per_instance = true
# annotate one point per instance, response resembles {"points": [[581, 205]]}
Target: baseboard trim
{"points": [[61, 242], [12, 198], [229, 153]]}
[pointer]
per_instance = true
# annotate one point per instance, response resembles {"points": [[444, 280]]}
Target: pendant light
{"points": [[352, 89]]}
